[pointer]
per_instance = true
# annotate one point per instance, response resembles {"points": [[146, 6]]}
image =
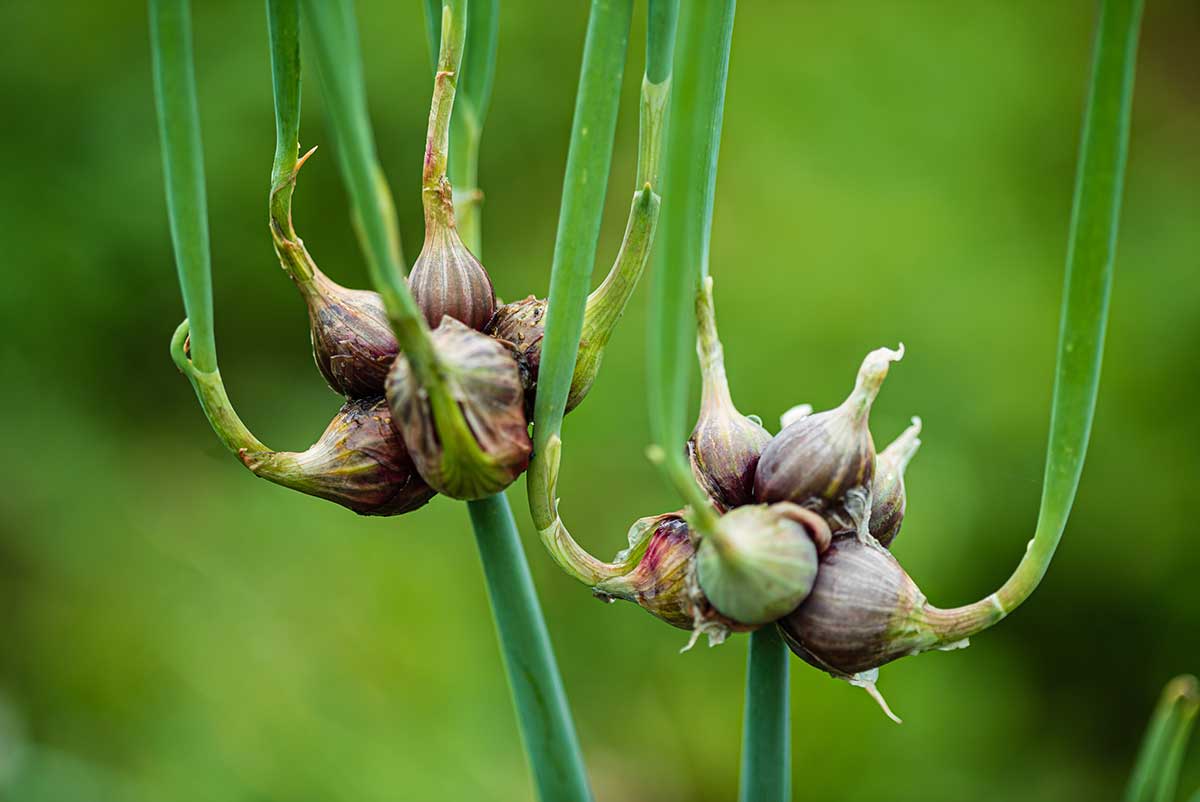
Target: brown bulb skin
{"points": [[352, 340], [483, 378], [359, 462], [448, 281], [522, 325], [863, 611]]}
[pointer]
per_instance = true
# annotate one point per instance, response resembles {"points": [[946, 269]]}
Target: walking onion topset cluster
{"points": [[441, 379], [792, 529]]}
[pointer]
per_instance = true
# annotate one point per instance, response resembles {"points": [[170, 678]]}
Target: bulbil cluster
{"points": [[797, 532]]}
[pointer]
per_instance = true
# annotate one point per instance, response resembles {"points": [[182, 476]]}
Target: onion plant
{"points": [[784, 536]]}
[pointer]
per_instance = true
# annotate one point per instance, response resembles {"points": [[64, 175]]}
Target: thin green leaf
{"points": [[1156, 773], [584, 185], [694, 134], [1091, 250], [183, 169], [283, 27]]}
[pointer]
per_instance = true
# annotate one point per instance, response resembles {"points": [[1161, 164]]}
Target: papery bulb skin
{"points": [[448, 281], [359, 462], [725, 445], [826, 461], [484, 380], [352, 340], [661, 579], [759, 563], [888, 498], [864, 611], [522, 325]]}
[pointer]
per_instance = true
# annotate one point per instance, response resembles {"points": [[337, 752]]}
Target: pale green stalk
{"points": [[1156, 773]]}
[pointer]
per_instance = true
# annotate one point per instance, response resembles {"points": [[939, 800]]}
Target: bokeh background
{"points": [[172, 628]]}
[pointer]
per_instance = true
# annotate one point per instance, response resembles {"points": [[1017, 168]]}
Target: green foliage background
{"points": [[173, 629]]}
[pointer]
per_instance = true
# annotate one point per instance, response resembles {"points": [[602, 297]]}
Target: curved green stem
{"points": [[588, 159], [1091, 250], [183, 168], [213, 398]]}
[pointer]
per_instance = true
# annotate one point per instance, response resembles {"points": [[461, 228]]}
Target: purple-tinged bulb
{"points": [[352, 340], [359, 462], [826, 461], [448, 281], [725, 445], [864, 611], [661, 578], [486, 448], [888, 498]]}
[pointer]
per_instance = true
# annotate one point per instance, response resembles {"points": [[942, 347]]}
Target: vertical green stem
{"points": [[766, 729], [681, 258], [543, 713], [183, 169], [1091, 250], [533, 677]]}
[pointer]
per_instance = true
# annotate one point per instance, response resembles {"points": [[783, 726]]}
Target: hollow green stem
{"points": [[588, 160], [1091, 250], [694, 131], [1156, 773], [766, 731], [183, 169], [542, 710]]}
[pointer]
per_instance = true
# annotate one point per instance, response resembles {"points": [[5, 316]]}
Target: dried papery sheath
{"points": [[888, 499], [447, 280], [725, 445], [759, 562], [826, 461], [359, 462], [659, 576], [522, 325], [481, 451]]}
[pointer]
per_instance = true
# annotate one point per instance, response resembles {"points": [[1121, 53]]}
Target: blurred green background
{"points": [[175, 629]]}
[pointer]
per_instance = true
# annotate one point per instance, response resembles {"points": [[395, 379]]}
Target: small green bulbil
{"points": [[759, 562]]}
